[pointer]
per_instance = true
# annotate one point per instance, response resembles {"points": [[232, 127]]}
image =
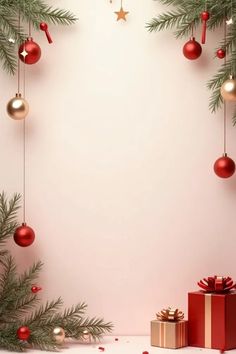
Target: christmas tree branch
{"points": [[19, 306], [167, 20], [8, 213], [9, 63], [27, 11]]}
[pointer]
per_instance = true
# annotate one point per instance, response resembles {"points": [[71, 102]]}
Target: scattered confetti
{"points": [[116, 339], [102, 349], [145, 353]]}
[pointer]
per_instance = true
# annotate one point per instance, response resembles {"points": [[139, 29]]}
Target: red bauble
{"points": [[221, 53], [29, 51], [24, 236], [205, 16], [23, 333], [35, 289], [224, 167], [192, 49]]}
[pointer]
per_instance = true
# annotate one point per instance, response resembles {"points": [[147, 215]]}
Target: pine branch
{"points": [[39, 317], [167, 20], [8, 214], [19, 306], [28, 11]]}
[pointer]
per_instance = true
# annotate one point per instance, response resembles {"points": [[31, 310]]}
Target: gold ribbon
{"points": [[170, 314]]}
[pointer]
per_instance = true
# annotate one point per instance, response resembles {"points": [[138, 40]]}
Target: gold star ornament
{"points": [[121, 15]]}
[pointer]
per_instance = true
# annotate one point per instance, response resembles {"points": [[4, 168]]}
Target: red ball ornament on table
{"points": [[29, 52], [24, 235], [224, 167], [221, 53], [23, 333], [192, 49]]}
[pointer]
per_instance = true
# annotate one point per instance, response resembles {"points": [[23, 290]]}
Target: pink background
{"points": [[127, 211]]}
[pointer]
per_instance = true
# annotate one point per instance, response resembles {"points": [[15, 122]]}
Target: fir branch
{"points": [[29, 11], [39, 317], [167, 20], [8, 214]]}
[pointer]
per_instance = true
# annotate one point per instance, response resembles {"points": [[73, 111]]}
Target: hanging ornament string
{"points": [[30, 32], [224, 107], [24, 159], [18, 61], [224, 166]]}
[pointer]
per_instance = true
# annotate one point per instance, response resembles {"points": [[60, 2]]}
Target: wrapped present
{"points": [[169, 330], [212, 314]]}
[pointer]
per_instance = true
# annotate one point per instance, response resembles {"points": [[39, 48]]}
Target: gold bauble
{"points": [[228, 89], [59, 335], [86, 335], [17, 107]]}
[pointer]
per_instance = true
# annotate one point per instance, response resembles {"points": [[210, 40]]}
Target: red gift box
{"points": [[212, 319]]}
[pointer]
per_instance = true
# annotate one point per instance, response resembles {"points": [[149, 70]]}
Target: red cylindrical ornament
{"points": [[224, 167], [24, 235], [44, 27], [23, 333], [221, 53], [192, 49], [205, 17], [29, 51]]}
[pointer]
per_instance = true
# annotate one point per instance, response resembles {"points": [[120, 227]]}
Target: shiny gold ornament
{"points": [[228, 89], [59, 335], [17, 107], [86, 335]]}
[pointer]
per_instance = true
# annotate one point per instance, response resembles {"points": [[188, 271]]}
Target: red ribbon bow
{"points": [[217, 284]]}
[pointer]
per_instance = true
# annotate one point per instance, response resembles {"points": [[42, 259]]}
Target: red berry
{"points": [[43, 26], [35, 289], [221, 53], [23, 333], [205, 16]]}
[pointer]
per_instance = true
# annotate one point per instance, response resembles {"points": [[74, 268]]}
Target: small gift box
{"points": [[169, 330], [212, 314]]}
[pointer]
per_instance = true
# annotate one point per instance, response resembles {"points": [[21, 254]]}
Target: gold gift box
{"points": [[167, 334]]}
